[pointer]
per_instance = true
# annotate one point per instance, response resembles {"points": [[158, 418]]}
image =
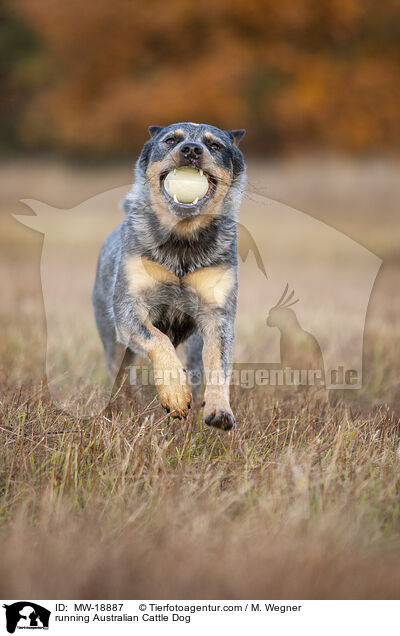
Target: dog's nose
{"points": [[191, 151]]}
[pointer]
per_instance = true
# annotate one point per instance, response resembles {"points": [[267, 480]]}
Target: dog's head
{"points": [[191, 169]]}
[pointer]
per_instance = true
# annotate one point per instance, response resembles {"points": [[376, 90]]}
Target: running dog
{"points": [[168, 273]]}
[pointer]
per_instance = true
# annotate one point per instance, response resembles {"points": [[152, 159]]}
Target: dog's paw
{"points": [[220, 417], [175, 397]]}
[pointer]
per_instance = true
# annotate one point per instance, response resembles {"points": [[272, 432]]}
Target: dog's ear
{"points": [[144, 157], [154, 130], [237, 135]]}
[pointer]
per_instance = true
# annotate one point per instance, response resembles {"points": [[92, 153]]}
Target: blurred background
{"points": [[88, 79]]}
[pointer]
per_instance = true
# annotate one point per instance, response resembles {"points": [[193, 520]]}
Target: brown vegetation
{"points": [[302, 500], [295, 74]]}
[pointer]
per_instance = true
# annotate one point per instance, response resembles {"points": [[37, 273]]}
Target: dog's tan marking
{"points": [[169, 375], [157, 199], [190, 227], [216, 400], [212, 284], [143, 274], [178, 132], [224, 181], [210, 137]]}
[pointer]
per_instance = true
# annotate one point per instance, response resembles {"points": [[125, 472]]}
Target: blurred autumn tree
{"points": [[91, 76]]}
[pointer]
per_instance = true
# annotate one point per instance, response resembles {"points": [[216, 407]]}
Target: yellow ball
{"points": [[186, 184]]}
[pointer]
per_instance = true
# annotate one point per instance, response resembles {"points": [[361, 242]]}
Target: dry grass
{"points": [[301, 501]]}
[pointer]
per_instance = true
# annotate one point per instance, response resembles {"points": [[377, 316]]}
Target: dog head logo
{"points": [[26, 615]]}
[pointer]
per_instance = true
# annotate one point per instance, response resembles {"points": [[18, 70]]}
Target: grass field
{"points": [[302, 500]]}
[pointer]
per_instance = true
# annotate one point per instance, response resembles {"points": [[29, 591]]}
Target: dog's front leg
{"points": [[169, 374], [216, 327]]}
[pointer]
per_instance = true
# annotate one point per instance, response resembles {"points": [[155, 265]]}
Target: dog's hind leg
{"points": [[106, 329], [118, 357], [123, 359], [194, 361]]}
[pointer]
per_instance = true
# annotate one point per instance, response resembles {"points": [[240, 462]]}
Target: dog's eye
{"points": [[215, 146], [170, 141]]}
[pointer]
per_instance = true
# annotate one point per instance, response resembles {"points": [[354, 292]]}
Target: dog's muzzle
{"points": [[187, 189]]}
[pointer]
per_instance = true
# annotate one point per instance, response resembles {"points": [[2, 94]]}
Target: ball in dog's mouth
{"points": [[187, 187]]}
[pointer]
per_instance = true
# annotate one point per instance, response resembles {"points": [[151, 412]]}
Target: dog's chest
{"points": [[151, 281]]}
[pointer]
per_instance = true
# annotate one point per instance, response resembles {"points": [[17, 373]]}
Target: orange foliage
{"points": [[296, 74]]}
